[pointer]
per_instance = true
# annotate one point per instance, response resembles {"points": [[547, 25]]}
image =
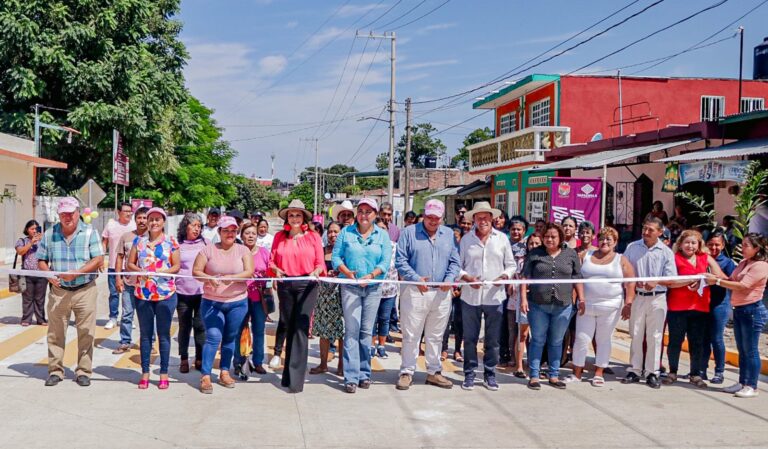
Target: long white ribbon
{"points": [[346, 281]]}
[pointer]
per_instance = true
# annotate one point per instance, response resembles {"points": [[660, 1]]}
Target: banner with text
{"points": [[579, 197], [711, 171], [120, 165]]}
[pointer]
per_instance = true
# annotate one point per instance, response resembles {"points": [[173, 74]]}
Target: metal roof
{"points": [[735, 149], [610, 157], [450, 191]]}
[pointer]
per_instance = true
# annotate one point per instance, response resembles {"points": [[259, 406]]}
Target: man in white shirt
{"points": [[211, 229], [110, 240], [486, 254]]}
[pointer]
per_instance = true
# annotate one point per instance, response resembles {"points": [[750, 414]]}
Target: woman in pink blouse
{"points": [[296, 251], [257, 308], [747, 284], [224, 268]]}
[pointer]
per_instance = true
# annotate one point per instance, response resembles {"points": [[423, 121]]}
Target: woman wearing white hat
{"points": [[296, 252]]}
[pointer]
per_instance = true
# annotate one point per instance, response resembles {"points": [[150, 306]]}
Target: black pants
{"points": [[512, 330], [455, 325], [693, 324], [505, 352], [190, 320], [33, 300], [280, 332], [297, 300]]}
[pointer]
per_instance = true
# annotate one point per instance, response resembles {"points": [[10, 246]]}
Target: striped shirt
{"points": [[63, 255], [655, 261]]}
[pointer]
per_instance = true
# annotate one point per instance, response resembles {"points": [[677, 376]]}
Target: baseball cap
{"points": [[234, 213], [435, 208], [214, 211], [370, 202], [227, 221], [157, 210], [68, 204]]}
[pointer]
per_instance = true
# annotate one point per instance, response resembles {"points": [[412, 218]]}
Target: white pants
{"points": [[647, 323], [428, 312], [598, 322]]}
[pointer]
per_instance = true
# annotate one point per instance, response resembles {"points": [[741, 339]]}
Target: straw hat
{"points": [[482, 206], [296, 204], [345, 206]]}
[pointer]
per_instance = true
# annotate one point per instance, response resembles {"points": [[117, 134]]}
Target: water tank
{"points": [[430, 162], [760, 68]]}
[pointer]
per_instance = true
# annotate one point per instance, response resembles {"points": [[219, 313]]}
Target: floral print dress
{"points": [[152, 257]]}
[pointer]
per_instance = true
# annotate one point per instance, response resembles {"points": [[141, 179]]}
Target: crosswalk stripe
{"points": [[132, 358], [20, 341], [70, 351]]}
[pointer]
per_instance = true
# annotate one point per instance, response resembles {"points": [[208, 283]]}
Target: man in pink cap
{"points": [[426, 252], [72, 248]]}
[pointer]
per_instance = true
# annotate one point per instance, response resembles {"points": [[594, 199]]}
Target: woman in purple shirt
{"points": [[257, 308], [190, 291]]}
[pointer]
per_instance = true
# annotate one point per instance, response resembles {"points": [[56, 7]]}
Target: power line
{"points": [[368, 25], [401, 15], [341, 78], [355, 115], [461, 123], [349, 86], [373, 126], [421, 16]]}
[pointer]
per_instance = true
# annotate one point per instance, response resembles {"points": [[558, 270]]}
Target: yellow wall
{"points": [[15, 213]]}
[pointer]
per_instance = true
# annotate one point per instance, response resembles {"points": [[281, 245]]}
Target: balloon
{"points": [[87, 211], [87, 219], [95, 214]]}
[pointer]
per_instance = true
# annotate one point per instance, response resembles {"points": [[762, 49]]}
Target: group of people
{"points": [[438, 280]]}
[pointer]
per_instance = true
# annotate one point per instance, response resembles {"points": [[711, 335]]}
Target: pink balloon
{"points": [[87, 211]]}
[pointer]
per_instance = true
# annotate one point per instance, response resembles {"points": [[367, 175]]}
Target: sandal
{"points": [[597, 381], [318, 370], [205, 385], [698, 382], [534, 384], [520, 374], [443, 356], [557, 383], [457, 356], [571, 378]]}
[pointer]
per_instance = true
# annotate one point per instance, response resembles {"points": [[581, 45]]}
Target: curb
{"points": [[5, 293], [731, 356]]}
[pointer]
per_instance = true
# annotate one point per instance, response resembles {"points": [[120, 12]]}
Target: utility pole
{"points": [[391, 177], [741, 61], [314, 139], [407, 201], [621, 108], [272, 156]]}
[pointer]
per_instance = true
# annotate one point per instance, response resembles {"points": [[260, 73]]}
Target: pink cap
{"points": [[435, 208], [67, 205], [157, 210], [227, 222], [370, 202]]}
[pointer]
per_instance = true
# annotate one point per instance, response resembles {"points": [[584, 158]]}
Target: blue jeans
{"points": [[114, 295], [360, 305], [258, 325], [155, 314], [381, 326], [126, 320], [715, 344], [548, 325], [223, 321], [748, 323], [471, 319]]}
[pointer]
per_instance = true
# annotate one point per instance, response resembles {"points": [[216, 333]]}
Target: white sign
{"points": [[91, 194], [537, 211]]}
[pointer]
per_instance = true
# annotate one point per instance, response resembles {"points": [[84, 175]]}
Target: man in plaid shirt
{"points": [[71, 248]]}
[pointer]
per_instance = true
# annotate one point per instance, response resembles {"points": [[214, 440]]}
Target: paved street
{"points": [[114, 413]]}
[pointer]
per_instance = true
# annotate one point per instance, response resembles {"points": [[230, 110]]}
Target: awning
{"points": [[741, 148], [450, 191], [610, 157], [35, 161], [473, 187]]}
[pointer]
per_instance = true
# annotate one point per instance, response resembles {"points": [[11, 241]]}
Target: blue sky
{"points": [[277, 71]]}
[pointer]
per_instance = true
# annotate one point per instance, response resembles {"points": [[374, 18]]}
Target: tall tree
{"points": [[103, 65], [252, 196], [422, 145], [461, 160]]}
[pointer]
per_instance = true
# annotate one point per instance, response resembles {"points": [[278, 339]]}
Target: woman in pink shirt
{"points": [[296, 251], [225, 301], [747, 283], [257, 308]]}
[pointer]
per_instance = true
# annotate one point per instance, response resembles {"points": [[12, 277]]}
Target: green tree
{"points": [[305, 192], [461, 160], [252, 196], [104, 65], [371, 183], [382, 161], [422, 145]]}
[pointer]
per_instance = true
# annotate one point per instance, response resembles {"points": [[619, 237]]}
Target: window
{"points": [[712, 108], [508, 123], [752, 104], [540, 113], [501, 201], [536, 205], [514, 208]]}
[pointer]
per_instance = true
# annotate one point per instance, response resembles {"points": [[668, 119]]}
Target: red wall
{"points": [[505, 109], [587, 104], [540, 94]]}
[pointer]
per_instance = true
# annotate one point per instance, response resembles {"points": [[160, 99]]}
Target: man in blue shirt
{"points": [[426, 252]]}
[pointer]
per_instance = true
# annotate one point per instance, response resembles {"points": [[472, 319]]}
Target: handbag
{"points": [[267, 300], [16, 283]]}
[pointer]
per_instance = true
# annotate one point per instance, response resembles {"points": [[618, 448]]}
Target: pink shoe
{"points": [[143, 384], [163, 384]]}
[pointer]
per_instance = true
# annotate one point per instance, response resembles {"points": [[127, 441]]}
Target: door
{"points": [[643, 203]]}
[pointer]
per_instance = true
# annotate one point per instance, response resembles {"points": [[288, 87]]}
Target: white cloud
{"points": [[292, 24], [435, 27], [354, 10], [426, 64], [324, 37], [210, 61], [272, 65]]}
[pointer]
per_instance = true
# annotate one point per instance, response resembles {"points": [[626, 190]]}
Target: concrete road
{"points": [[113, 413]]}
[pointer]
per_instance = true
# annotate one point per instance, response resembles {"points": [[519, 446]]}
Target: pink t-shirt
{"points": [[260, 266], [752, 274], [225, 263], [113, 232]]}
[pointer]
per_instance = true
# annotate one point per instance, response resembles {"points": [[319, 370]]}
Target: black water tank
{"points": [[760, 68], [430, 162]]}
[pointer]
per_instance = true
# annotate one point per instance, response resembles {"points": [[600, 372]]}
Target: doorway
{"points": [[700, 189], [643, 203]]}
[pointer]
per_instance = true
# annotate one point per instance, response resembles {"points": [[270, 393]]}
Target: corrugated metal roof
{"points": [[735, 149], [609, 157]]}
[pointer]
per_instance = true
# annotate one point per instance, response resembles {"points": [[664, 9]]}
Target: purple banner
{"points": [[579, 197]]}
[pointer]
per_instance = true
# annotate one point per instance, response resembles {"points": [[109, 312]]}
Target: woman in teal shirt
{"points": [[363, 252]]}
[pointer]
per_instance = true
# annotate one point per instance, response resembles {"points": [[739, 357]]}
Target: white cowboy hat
{"points": [[482, 206], [296, 204], [345, 206]]}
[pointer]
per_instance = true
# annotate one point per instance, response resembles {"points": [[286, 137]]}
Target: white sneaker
{"points": [[746, 392], [735, 388], [133, 325], [274, 362], [110, 324]]}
